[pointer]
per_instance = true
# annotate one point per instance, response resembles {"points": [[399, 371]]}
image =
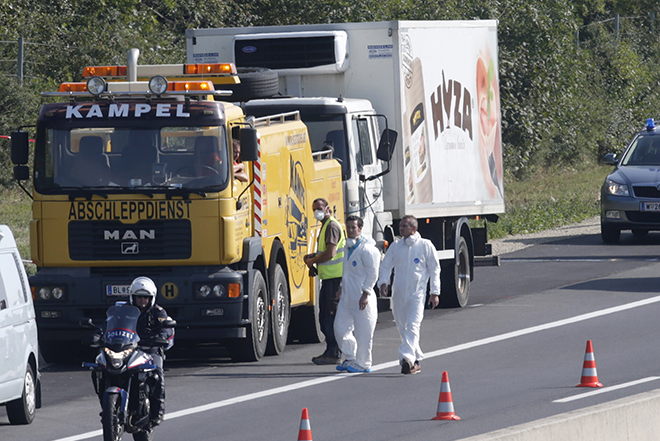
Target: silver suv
{"points": [[630, 196]]}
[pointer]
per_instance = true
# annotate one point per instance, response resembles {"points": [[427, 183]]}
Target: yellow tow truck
{"points": [[133, 175]]}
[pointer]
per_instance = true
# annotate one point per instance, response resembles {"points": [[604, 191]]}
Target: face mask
{"points": [[319, 215], [350, 242]]}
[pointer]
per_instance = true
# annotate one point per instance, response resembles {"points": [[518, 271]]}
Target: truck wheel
{"points": [[306, 322], [253, 347], [256, 82], [21, 410], [609, 234], [455, 279], [280, 312]]}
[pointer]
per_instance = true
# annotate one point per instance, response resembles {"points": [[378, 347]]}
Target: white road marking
{"points": [[602, 390], [577, 259], [390, 364]]}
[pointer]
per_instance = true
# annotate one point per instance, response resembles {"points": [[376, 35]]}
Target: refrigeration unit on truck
{"points": [[134, 176], [435, 83]]}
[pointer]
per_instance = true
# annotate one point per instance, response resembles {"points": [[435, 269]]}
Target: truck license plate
{"points": [[650, 206], [117, 290]]}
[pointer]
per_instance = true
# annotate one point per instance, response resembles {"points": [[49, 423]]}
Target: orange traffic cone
{"points": [[305, 433], [445, 402], [589, 374]]}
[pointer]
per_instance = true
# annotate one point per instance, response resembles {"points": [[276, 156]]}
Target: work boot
{"points": [[406, 366], [326, 359]]}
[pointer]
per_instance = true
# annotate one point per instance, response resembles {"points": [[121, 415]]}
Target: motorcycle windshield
{"points": [[121, 326]]}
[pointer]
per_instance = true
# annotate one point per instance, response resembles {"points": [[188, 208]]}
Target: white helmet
{"points": [[143, 286]]}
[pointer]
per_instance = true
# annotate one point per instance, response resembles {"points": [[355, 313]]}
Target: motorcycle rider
{"points": [[143, 295]]}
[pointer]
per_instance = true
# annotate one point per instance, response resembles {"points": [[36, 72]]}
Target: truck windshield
{"points": [[195, 158], [329, 132]]}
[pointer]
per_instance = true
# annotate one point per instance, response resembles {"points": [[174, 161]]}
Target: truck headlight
{"points": [[617, 189], [44, 293], [203, 291], [50, 293], [96, 86], [57, 293], [219, 291], [158, 85]]}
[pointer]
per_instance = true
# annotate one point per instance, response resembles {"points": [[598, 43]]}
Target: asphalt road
{"points": [[510, 355]]}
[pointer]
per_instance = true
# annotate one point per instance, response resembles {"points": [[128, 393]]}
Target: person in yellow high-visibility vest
{"points": [[328, 259]]}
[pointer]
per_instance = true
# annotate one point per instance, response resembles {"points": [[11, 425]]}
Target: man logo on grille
{"points": [[129, 248]]}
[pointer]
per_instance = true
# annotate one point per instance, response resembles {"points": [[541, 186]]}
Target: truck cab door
{"points": [[365, 131]]}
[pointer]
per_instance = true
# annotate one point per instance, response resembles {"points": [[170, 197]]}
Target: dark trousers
{"points": [[328, 309], [158, 391]]}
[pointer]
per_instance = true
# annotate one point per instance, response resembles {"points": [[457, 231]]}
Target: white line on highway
{"points": [[577, 259], [390, 364], [606, 389]]}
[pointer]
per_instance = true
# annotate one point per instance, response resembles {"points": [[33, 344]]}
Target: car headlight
{"points": [[617, 189]]}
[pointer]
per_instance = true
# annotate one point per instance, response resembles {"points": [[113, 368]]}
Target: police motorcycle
{"points": [[123, 374]]}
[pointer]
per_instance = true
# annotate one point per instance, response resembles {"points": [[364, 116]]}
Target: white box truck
{"points": [[434, 82]]}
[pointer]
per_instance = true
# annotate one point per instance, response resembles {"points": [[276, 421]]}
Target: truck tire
{"points": [[455, 278], [253, 347], [256, 82], [306, 323], [609, 234], [280, 312], [21, 410]]}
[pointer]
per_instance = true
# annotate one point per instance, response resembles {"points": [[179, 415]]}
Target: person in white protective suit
{"points": [[357, 311], [414, 262]]}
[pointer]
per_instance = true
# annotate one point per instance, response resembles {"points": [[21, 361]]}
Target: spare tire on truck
{"points": [[256, 82]]}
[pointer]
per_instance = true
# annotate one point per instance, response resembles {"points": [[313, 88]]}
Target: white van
{"points": [[20, 387]]}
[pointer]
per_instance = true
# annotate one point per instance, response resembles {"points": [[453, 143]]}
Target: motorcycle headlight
{"points": [[617, 189], [117, 358]]}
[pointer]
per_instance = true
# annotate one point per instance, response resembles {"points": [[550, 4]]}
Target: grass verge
{"points": [[16, 212], [550, 199]]}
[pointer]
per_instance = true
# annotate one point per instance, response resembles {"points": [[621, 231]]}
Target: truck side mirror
{"points": [[249, 144], [19, 148], [386, 145]]}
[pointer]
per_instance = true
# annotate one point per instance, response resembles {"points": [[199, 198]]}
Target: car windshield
{"points": [[644, 150], [194, 158]]}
